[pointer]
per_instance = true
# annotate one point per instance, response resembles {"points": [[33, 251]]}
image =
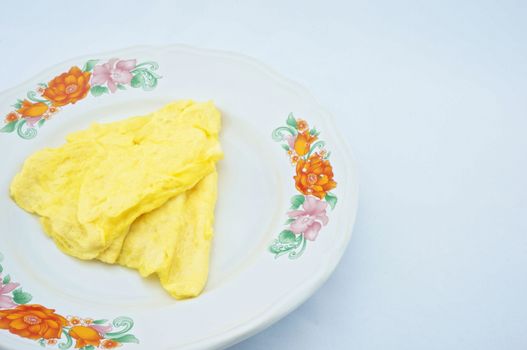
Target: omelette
{"points": [[139, 192]]}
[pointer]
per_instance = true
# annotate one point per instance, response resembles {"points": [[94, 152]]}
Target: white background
{"points": [[432, 97]]}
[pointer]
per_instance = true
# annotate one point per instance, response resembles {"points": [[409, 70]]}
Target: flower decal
{"points": [[303, 143], [68, 87], [32, 321], [11, 117], [313, 179], [113, 72], [74, 320], [29, 109], [6, 300], [109, 344], [85, 336], [309, 221], [301, 125], [31, 113], [314, 176], [39, 323]]}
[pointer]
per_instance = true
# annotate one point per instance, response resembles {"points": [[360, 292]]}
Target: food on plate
{"points": [[139, 192], [174, 240]]}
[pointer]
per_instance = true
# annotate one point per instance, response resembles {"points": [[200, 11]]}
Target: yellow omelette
{"points": [[140, 192]]}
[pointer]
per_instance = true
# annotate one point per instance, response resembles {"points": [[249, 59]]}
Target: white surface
{"points": [[432, 99]]}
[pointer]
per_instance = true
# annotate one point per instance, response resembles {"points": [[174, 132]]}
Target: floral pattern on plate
{"points": [[95, 78], [313, 179], [48, 328]]}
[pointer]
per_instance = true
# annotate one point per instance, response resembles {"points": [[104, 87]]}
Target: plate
{"points": [[280, 227]]}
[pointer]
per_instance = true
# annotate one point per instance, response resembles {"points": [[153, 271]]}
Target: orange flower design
{"points": [[11, 117], [110, 344], [314, 176], [68, 87], [29, 109], [85, 336], [32, 321], [303, 143], [294, 159], [301, 125], [74, 320]]}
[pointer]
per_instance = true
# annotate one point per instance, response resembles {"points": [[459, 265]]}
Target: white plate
{"points": [[249, 287]]}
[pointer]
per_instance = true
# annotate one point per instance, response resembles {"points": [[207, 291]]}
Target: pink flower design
{"points": [[6, 302], [309, 221], [31, 121], [113, 72], [291, 141], [101, 329]]}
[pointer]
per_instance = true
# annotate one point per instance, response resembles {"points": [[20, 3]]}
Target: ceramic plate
{"points": [[280, 227]]}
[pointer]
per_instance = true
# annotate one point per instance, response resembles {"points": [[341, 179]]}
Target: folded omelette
{"points": [[139, 192]]}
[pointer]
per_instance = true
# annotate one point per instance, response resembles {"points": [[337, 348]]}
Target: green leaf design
{"points": [[314, 132], [1, 269], [9, 127], [319, 144], [291, 121], [295, 254], [331, 199], [286, 147], [89, 65], [68, 342], [41, 122], [27, 132], [88, 347], [98, 90], [121, 87], [42, 342], [275, 248], [288, 243], [123, 322], [288, 221], [287, 236], [297, 201], [101, 321], [279, 133], [21, 297], [6, 279], [149, 65], [137, 81], [18, 104], [128, 338], [145, 79], [33, 96]]}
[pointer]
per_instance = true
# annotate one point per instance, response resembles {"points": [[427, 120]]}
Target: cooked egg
{"points": [[140, 192]]}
